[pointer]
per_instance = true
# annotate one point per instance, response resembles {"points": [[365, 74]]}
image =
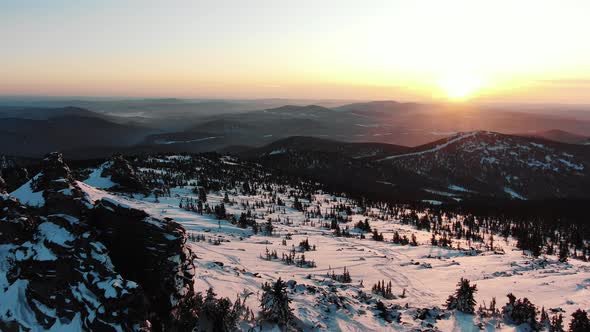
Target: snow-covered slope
{"points": [[231, 259], [26, 194], [500, 164], [235, 216]]}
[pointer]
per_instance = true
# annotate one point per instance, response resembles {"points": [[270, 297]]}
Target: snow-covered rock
{"points": [[67, 264]]}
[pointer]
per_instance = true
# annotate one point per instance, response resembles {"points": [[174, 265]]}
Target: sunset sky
{"points": [[521, 51]]}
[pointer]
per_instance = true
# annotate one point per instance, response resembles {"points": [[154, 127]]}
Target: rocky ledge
{"points": [[69, 263]]}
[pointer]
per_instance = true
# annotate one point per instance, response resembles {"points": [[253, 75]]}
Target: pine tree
{"points": [[520, 311], [383, 312], [396, 238], [377, 236], [202, 195], [544, 320], [304, 245], [413, 242], [268, 227], [556, 324], [275, 303], [463, 299], [493, 310], [563, 252], [255, 227], [221, 314], [297, 204], [433, 240], [580, 322]]}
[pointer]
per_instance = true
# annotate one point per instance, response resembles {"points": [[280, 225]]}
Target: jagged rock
{"points": [[151, 252], [104, 267], [13, 175], [16, 224], [57, 274], [124, 175], [61, 193]]}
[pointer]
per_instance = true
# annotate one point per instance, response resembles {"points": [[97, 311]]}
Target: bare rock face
{"points": [[73, 264], [151, 252]]}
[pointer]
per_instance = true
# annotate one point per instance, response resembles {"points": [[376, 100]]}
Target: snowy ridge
{"points": [[488, 162], [456, 139], [513, 193]]}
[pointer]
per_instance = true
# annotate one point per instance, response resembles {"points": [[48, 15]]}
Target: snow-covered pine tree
{"points": [[463, 299], [520, 311]]}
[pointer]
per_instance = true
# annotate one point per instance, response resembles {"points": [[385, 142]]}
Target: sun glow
{"points": [[460, 87], [407, 50]]}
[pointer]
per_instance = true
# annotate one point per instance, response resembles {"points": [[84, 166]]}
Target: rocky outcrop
{"points": [[60, 190], [61, 276], [124, 175], [151, 252], [16, 223], [13, 175], [74, 264]]}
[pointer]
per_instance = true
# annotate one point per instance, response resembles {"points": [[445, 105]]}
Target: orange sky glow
{"points": [[459, 50]]}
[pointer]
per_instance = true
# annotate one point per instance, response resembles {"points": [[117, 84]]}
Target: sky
{"points": [[521, 51]]}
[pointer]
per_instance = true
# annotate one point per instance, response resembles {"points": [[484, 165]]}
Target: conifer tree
{"points": [[463, 299], [202, 195], [580, 321], [556, 324], [275, 303], [563, 252]]}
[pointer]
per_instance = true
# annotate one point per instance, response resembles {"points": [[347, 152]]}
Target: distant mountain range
{"points": [[562, 136], [37, 131], [176, 125], [476, 165]]}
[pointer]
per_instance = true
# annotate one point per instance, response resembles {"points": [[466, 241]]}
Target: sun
{"points": [[460, 87]]}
